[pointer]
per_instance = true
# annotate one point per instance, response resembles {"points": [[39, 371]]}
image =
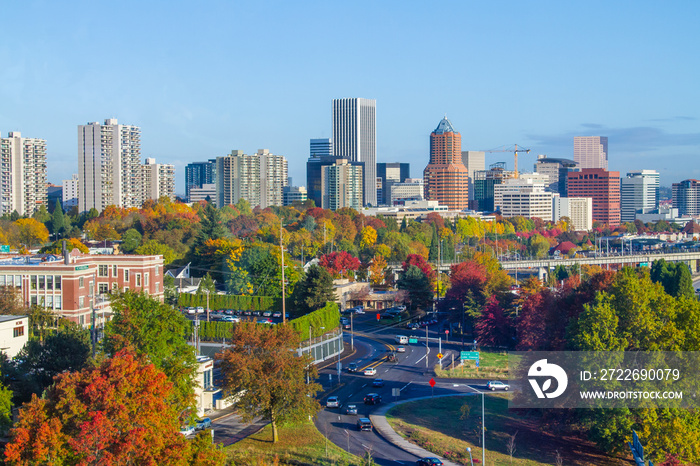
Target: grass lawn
{"points": [[491, 366], [299, 445], [447, 426]]}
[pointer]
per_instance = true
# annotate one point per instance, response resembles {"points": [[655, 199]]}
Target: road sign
{"points": [[439, 355], [447, 331], [82, 267], [379, 316], [395, 392], [471, 355], [5, 248], [432, 382], [413, 340], [477, 363]]}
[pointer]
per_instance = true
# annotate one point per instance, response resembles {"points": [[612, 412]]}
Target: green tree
{"points": [[206, 285], [262, 368], [418, 286], [434, 247], [153, 248], [158, 331], [313, 291], [596, 329], [169, 290], [5, 409], [675, 277], [42, 214], [58, 220], [131, 240]]}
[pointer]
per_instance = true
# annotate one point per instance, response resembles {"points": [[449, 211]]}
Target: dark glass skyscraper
{"points": [[391, 173], [198, 174]]}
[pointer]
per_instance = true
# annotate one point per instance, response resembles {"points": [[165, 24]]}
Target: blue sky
{"points": [[203, 78]]}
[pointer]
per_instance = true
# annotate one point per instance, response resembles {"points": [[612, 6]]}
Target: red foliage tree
{"points": [[494, 328], [244, 226], [340, 264], [468, 279], [435, 219], [420, 262]]}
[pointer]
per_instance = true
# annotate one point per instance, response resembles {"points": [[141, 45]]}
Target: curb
{"points": [[384, 429]]}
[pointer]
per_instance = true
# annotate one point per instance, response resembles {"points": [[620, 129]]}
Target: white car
{"points": [[370, 371], [200, 310], [187, 430], [400, 349], [230, 319], [497, 385], [359, 310], [332, 402]]}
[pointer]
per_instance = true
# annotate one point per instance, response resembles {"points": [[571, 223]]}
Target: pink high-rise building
{"points": [[591, 151]]}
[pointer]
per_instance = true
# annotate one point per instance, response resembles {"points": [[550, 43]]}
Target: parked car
{"points": [[267, 314], [359, 310], [332, 402], [352, 367], [187, 430], [351, 409], [200, 310], [228, 312], [277, 314], [364, 424], [230, 319], [370, 371], [497, 385], [204, 423], [372, 399], [346, 326], [429, 462], [378, 383], [265, 321]]}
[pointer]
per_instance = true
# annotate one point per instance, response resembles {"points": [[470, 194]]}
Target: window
{"points": [[49, 282], [32, 282], [81, 282], [114, 286], [145, 279], [103, 288], [57, 282], [57, 302], [18, 331], [102, 270], [126, 276], [157, 270], [82, 319], [18, 281], [42, 282], [81, 301], [114, 271], [138, 279]]}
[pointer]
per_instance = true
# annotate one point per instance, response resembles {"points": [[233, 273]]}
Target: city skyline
{"points": [[552, 91]]}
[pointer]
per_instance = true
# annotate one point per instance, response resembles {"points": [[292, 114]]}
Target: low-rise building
{"points": [[14, 332]]}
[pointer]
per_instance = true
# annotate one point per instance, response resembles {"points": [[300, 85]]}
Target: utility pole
{"points": [[352, 334], [426, 346], [284, 306]]}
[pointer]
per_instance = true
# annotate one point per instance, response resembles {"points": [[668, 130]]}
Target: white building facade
{"points": [[578, 209], [524, 196], [14, 334], [70, 192], [411, 189], [342, 185], [257, 178], [158, 180], [591, 152], [23, 179], [109, 165], [355, 139], [639, 193]]}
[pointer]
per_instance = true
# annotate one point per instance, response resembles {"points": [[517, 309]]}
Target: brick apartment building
{"points": [[69, 285], [603, 187]]}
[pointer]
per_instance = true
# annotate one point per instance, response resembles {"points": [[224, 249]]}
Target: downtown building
{"points": [[639, 194], [524, 197], [355, 139], [197, 174], [412, 189], [579, 211], [591, 152], [258, 178], [109, 166], [485, 182], [475, 161], [23, 176], [70, 192], [158, 180], [342, 183], [389, 174], [446, 178], [557, 170], [686, 197], [603, 187]]}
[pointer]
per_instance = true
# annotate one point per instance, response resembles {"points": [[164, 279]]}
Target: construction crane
{"points": [[514, 149]]}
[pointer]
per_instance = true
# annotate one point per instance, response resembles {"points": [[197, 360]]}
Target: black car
{"points": [[352, 367], [364, 424], [373, 399], [378, 383], [429, 462]]}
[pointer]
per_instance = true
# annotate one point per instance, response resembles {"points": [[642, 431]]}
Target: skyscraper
{"points": [[109, 165], [158, 180], [355, 139], [485, 182], [524, 197], [474, 161], [557, 170], [591, 151], [639, 193], [686, 197], [390, 174], [70, 192], [321, 147], [342, 185], [197, 174], [257, 178], [603, 187], [446, 178], [23, 182]]}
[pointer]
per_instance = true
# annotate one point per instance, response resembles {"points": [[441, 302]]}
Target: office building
{"points": [[257, 178], [321, 147], [158, 180], [70, 192], [314, 172], [109, 166], [579, 211], [411, 189], [206, 193], [556, 169], [355, 139], [390, 174], [342, 185], [603, 187], [591, 152], [639, 192], [524, 197], [686, 197], [668, 214], [446, 178], [484, 182], [294, 194], [197, 174], [23, 179], [475, 161]]}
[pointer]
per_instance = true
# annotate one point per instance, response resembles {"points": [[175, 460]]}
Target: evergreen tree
{"points": [[42, 215], [210, 225], [418, 286], [313, 291], [58, 221], [433, 252]]}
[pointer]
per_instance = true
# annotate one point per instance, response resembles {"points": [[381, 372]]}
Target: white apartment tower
{"points": [[70, 192], [342, 185], [158, 180], [639, 193], [257, 178], [591, 152], [109, 165], [355, 139], [579, 210], [524, 196], [23, 182]]}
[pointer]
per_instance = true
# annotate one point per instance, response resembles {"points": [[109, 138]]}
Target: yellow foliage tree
{"points": [[376, 270], [369, 237], [30, 232]]}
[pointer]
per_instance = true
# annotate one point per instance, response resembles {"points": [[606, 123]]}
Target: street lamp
{"points": [[483, 425], [207, 292], [471, 460]]}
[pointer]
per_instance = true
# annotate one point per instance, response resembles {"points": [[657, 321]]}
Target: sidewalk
{"points": [[381, 425]]}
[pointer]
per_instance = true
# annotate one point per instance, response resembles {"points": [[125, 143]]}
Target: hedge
{"points": [[220, 301], [214, 331], [328, 316]]}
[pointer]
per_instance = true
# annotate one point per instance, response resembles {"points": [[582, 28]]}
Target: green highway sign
{"points": [[82, 267], [413, 340], [4, 248], [473, 355]]}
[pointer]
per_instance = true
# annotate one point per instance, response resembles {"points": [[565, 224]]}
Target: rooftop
{"points": [[444, 127], [10, 318]]}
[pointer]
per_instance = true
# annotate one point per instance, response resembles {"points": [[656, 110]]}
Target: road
{"points": [[409, 374]]}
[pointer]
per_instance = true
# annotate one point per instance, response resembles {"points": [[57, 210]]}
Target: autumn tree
{"points": [[158, 331], [117, 413], [154, 248], [376, 270], [494, 328], [262, 367], [313, 291], [71, 243], [30, 232], [417, 285], [340, 264]]}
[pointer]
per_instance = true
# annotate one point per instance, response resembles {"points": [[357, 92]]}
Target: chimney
{"points": [[66, 258]]}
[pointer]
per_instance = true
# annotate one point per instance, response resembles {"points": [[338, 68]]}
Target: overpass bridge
{"points": [[543, 266]]}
